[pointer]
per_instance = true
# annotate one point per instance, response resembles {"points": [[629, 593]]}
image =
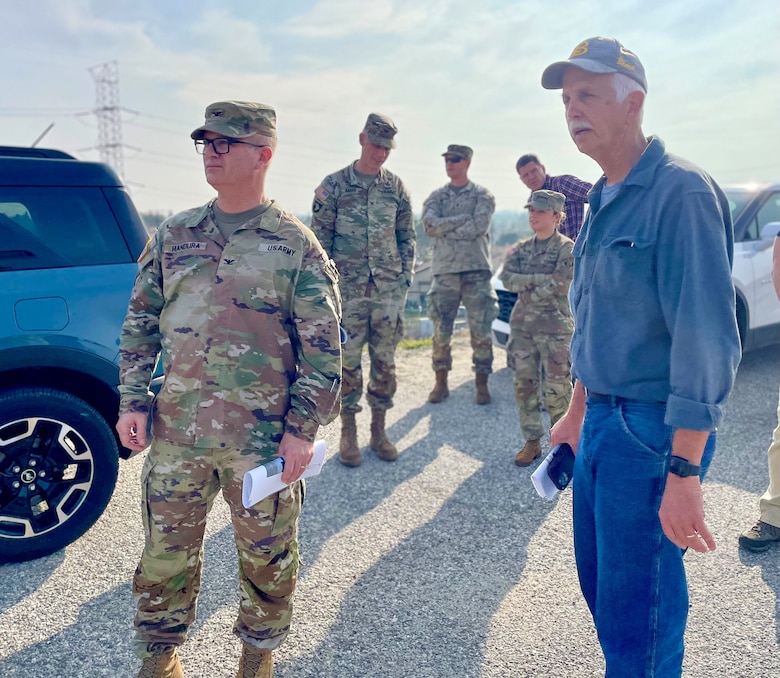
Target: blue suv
{"points": [[70, 238]]}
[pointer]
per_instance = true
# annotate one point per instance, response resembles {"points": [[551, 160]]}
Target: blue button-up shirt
{"points": [[652, 295]]}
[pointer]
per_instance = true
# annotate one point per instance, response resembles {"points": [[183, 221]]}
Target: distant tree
{"points": [[508, 238], [424, 243], [153, 219]]}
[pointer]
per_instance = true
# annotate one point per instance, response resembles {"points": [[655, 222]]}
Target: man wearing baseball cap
{"points": [[252, 364], [654, 354], [363, 218], [457, 217]]}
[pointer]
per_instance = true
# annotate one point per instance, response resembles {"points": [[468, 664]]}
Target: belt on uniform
{"points": [[616, 400]]}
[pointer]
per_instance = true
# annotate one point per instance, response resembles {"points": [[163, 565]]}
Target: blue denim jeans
{"points": [[631, 575]]}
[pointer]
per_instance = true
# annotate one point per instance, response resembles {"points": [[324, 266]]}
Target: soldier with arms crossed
{"points": [[240, 302], [457, 216], [539, 269]]}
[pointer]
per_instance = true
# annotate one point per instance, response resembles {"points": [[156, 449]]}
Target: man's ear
{"points": [[265, 155], [635, 101]]}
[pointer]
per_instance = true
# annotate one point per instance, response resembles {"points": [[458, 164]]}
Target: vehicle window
{"points": [[770, 211], [738, 198], [50, 227]]}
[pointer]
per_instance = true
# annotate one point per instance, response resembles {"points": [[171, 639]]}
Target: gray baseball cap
{"points": [[597, 55], [380, 130], [547, 200], [238, 120]]}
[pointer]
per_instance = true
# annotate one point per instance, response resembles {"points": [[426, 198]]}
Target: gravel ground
{"points": [[442, 564]]}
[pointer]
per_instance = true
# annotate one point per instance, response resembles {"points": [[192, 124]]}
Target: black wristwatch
{"points": [[683, 468]]}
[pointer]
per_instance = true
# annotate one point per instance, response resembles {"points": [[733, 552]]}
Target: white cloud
{"points": [[447, 72]]}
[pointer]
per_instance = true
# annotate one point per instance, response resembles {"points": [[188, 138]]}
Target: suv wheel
{"points": [[58, 467]]}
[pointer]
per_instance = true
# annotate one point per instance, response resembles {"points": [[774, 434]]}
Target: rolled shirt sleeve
{"points": [[698, 305]]}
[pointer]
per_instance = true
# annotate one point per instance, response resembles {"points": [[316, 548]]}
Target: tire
{"points": [[58, 468], [742, 321]]}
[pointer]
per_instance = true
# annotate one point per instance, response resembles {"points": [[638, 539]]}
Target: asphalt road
{"points": [[445, 563]]}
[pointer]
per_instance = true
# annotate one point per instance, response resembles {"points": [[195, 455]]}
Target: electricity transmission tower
{"points": [[108, 115]]}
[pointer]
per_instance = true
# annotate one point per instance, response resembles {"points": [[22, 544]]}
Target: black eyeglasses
{"points": [[454, 159], [221, 145]]}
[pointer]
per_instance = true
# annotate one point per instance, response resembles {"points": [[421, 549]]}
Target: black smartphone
{"points": [[561, 465]]}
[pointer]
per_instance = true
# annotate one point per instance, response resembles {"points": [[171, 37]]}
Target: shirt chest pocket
{"points": [[188, 272], [254, 279], [626, 266], [546, 262]]}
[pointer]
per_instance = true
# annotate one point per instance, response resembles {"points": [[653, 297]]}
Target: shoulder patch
{"points": [[145, 251], [322, 193]]}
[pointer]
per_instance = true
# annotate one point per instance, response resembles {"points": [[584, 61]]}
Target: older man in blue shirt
{"points": [[654, 354]]}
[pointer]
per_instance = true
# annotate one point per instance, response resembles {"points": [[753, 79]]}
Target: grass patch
{"points": [[416, 343]]}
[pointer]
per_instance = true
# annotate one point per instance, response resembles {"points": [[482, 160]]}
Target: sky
{"points": [[446, 71]]}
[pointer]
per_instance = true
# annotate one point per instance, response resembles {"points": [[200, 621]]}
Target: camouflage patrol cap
{"points": [[380, 130], [547, 200], [238, 120], [597, 55], [462, 151]]}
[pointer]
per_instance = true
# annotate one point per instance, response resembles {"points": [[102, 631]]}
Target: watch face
{"points": [[683, 468]]}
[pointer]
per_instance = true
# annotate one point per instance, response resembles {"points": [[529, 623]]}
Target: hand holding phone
{"points": [[561, 466]]}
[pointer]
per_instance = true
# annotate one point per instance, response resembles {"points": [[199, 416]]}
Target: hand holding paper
{"points": [[258, 484]]}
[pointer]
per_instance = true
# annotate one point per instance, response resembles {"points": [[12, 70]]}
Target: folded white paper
{"points": [[543, 484], [258, 484]]}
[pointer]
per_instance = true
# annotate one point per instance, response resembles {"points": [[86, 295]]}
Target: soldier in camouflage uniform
{"points": [[363, 218], [241, 303], [457, 217], [540, 270]]}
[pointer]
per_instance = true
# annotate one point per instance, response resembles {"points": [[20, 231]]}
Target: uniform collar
{"points": [[469, 185], [352, 176], [202, 218]]}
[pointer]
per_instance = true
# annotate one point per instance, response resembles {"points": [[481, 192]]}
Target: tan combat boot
{"points": [[349, 451], [384, 449], [255, 663], [440, 391], [482, 396], [531, 450], [165, 665]]}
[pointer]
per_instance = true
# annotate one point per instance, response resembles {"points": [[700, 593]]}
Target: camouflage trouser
{"points": [[540, 359], [179, 485], [378, 320], [473, 289]]}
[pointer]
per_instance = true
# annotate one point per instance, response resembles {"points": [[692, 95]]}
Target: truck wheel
{"points": [[58, 468]]}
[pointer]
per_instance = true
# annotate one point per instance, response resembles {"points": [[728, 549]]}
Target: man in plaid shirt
{"points": [[533, 174]]}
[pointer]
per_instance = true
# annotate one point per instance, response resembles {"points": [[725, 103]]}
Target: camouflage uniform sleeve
{"points": [[555, 283], [314, 395], [324, 213], [139, 341], [479, 223], [405, 236], [511, 276], [435, 225]]}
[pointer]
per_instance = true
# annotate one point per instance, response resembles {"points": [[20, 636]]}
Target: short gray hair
{"points": [[263, 140], [624, 85]]}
